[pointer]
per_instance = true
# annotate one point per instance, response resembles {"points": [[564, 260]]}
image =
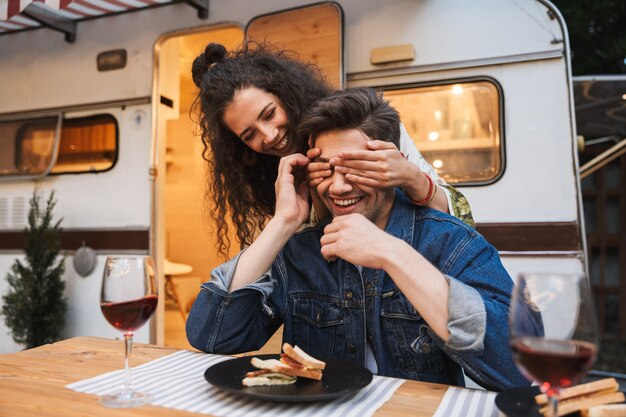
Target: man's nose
{"points": [[339, 184]]}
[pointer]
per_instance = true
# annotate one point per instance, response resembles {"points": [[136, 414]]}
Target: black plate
{"points": [[520, 402], [339, 378]]}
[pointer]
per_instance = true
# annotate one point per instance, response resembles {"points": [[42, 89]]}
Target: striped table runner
{"points": [[463, 402], [177, 381]]}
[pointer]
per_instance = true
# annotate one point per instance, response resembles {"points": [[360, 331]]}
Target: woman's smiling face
{"points": [[259, 120]]}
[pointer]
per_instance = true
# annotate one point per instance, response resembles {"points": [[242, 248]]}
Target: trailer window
{"points": [[88, 144], [51, 145], [28, 146], [456, 127]]}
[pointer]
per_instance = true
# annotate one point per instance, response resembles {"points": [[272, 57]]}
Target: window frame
{"points": [[117, 144], [31, 118], [501, 124]]}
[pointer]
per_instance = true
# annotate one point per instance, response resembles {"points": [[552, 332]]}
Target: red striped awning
{"points": [[11, 8], [77, 9], [10, 17], [14, 17]]}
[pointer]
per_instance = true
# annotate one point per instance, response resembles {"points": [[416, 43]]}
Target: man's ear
{"points": [[311, 142]]}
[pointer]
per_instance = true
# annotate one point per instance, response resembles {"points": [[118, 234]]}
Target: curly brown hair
{"points": [[242, 189]]}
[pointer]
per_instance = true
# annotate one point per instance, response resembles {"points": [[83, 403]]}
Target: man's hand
{"points": [[357, 240], [292, 204]]}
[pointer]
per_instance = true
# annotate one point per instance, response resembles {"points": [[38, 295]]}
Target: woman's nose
{"points": [[268, 132]]}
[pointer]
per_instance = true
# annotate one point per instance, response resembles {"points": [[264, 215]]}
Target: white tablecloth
{"points": [[177, 381], [462, 402]]}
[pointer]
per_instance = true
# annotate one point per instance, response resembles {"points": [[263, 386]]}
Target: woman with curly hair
{"points": [[249, 105]]}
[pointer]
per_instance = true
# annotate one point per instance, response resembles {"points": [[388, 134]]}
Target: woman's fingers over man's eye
{"points": [[316, 166], [362, 165], [315, 182], [319, 174], [369, 155], [352, 173], [370, 182], [380, 144], [313, 153]]}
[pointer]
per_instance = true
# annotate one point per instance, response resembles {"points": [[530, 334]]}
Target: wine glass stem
{"points": [[553, 406], [128, 343]]}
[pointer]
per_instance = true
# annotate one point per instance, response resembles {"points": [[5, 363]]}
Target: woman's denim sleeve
{"points": [[480, 294], [240, 321]]}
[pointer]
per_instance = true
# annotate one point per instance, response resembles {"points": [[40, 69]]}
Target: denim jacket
{"points": [[334, 309]]}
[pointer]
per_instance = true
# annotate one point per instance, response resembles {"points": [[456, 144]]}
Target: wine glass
{"points": [[553, 331], [128, 299]]}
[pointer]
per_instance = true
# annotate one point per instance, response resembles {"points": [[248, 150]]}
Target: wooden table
{"points": [[32, 382]]}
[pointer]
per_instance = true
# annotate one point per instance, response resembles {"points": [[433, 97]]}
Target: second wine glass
{"points": [[553, 331], [128, 299]]}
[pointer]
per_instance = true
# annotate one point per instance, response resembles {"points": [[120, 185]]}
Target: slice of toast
{"points": [[585, 402], [607, 384], [300, 356], [270, 378], [275, 365], [609, 410]]}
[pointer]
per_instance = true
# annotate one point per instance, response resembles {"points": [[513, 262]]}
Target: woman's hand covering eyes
{"points": [[317, 170]]}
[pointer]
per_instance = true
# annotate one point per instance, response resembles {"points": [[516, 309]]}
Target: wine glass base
{"points": [[125, 399]]}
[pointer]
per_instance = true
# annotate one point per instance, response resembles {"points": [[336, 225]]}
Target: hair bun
{"points": [[213, 53]]}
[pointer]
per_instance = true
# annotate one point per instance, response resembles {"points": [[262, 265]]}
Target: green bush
{"points": [[34, 307]]}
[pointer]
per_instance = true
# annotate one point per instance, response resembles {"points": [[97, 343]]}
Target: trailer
{"points": [[95, 104]]}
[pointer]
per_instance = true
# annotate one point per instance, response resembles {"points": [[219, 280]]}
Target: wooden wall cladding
{"points": [[314, 32]]}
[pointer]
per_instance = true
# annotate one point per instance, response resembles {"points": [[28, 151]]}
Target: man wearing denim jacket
{"points": [[407, 291]]}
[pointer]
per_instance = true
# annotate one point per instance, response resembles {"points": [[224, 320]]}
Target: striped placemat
{"points": [[177, 381], [463, 402]]}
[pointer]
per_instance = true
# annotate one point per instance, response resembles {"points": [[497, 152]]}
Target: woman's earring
{"points": [[248, 157]]}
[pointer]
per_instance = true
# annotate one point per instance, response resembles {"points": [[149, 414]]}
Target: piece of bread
{"points": [[610, 410], [606, 384], [264, 364], [258, 372], [275, 365], [302, 357], [315, 374], [584, 402], [270, 378]]}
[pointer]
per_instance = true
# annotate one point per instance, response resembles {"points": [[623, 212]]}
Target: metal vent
{"points": [[20, 210], [4, 212], [13, 212]]}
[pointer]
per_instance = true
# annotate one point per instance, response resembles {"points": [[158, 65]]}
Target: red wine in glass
{"points": [[128, 299], [560, 363], [553, 329], [129, 315]]}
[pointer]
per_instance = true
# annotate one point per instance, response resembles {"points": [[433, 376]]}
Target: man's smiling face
{"points": [[342, 196]]}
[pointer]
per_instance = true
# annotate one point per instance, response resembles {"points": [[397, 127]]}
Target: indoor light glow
{"points": [[433, 136], [457, 89], [437, 163]]}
